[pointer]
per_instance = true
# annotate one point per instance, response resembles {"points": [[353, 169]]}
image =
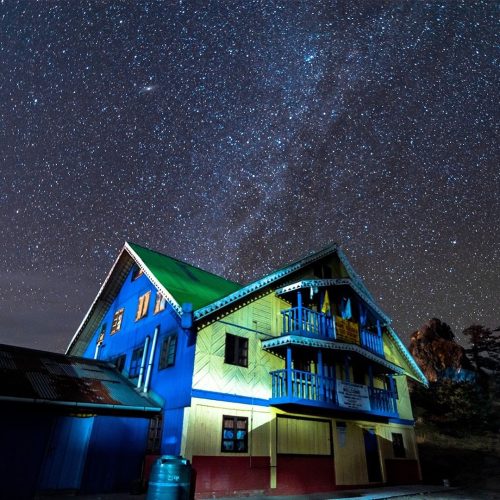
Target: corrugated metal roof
{"points": [[31, 376]]}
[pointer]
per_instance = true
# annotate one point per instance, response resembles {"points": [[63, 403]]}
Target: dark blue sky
{"points": [[239, 136]]}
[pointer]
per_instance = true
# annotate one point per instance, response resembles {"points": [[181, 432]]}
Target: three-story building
{"points": [[291, 384]]}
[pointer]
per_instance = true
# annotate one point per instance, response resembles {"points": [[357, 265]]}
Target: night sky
{"points": [[241, 135]]}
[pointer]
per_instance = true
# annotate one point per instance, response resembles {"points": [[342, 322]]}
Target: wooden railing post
{"points": [[321, 395], [289, 372], [299, 309]]}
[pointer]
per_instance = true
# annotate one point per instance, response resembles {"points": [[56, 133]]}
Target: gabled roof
{"points": [[410, 365], [177, 281], [56, 380], [186, 283], [208, 293], [264, 282]]}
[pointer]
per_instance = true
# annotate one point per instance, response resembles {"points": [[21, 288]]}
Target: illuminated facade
{"points": [[291, 384]]}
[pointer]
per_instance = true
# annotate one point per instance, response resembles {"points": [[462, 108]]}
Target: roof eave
{"points": [[94, 303], [420, 377], [112, 274], [261, 283], [165, 293], [336, 282]]}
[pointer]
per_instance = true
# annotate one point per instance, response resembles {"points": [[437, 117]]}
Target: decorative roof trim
{"points": [[337, 282], [326, 344], [126, 250], [261, 283], [404, 351], [165, 293], [353, 274], [94, 303]]}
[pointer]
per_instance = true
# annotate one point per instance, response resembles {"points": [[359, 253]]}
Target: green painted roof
{"points": [[184, 282]]}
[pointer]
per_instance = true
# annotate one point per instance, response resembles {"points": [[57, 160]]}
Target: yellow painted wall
{"points": [[350, 462], [393, 354], [303, 436], [210, 371], [204, 428], [271, 433], [403, 401]]}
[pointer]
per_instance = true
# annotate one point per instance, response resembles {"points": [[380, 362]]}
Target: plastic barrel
{"points": [[170, 479]]}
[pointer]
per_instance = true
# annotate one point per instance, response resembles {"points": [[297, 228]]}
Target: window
{"points": [[160, 303], [154, 435], [236, 352], [167, 352], [137, 273], [398, 445], [102, 332], [117, 321], [135, 362], [142, 306], [234, 434], [119, 362]]}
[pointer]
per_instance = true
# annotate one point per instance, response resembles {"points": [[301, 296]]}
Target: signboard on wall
{"points": [[353, 396], [347, 331]]}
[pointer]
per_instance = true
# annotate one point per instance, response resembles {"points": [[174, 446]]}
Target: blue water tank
{"points": [[171, 479]]}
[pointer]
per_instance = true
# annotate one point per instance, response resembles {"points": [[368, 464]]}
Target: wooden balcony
{"points": [[308, 323], [308, 389]]}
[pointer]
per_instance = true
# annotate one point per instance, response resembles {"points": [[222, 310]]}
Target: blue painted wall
{"points": [[65, 456], [172, 384], [115, 454]]}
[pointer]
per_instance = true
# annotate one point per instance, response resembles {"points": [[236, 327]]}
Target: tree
{"points": [[485, 347], [442, 329]]}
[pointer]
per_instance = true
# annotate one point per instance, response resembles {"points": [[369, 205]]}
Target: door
{"points": [[304, 455], [372, 456]]}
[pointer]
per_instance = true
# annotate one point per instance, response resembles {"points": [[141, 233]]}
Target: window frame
{"points": [[167, 352], [135, 363], [119, 362], [101, 334], [143, 305], [116, 324], [155, 431], [239, 345], [398, 445], [234, 440], [137, 273], [160, 303]]}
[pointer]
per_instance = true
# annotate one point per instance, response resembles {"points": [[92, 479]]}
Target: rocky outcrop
{"points": [[437, 354]]}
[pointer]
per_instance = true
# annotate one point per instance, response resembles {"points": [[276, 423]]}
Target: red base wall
{"points": [[305, 474], [296, 474], [224, 476]]}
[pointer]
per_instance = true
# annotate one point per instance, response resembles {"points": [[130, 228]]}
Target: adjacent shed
{"points": [[68, 424]]}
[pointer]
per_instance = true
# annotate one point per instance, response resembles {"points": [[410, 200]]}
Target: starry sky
{"points": [[242, 135]]}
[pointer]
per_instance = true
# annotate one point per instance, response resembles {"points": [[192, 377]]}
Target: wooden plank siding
{"points": [[273, 432], [204, 421], [403, 402], [210, 371], [303, 436]]}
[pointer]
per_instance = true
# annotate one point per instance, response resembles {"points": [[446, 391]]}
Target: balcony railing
{"points": [[372, 341], [309, 323], [299, 387], [303, 321]]}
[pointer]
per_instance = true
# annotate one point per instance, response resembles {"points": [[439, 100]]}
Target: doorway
{"points": [[372, 456]]}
